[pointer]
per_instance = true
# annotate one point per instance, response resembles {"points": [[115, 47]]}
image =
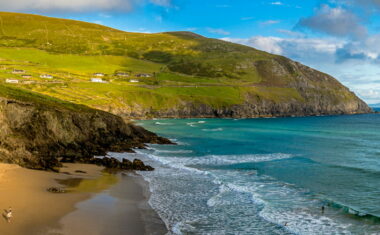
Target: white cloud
{"points": [[98, 22], [247, 18], [296, 48], [370, 94], [268, 44], [142, 30], [291, 33], [104, 15], [165, 3], [365, 49], [218, 31], [74, 5], [277, 3], [362, 77], [269, 22], [66, 5], [334, 21]]}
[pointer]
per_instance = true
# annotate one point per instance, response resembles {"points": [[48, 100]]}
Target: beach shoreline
{"points": [[94, 201]]}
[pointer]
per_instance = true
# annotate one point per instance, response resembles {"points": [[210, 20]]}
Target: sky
{"points": [[339, 37]]}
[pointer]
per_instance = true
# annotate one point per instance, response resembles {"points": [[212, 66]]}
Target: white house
{"points": [[11, 81], [99, 74], [134, 80], [98, 80], [143, 75], [48, 76], [26, 76]]}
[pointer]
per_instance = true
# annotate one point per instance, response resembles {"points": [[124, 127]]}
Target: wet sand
{"points": [[96, 202], [121, 209]]}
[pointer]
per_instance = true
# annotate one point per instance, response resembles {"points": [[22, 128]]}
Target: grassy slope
{"points": [[13, 93], [183, 64]]}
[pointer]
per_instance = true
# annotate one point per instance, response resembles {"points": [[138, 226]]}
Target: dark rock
{"points": [[43, 137], [140, 166], [56, 190], [111, 162], [125, 164], [80, 171]]}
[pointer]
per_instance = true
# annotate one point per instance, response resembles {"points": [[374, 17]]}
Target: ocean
{"points": [[266, 175]]}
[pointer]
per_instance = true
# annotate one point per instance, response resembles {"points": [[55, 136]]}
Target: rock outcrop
{"points": [[40, 136], [125, 164], [288, 89]]}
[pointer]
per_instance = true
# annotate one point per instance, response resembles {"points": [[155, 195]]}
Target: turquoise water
{"points": [[267, 176]]}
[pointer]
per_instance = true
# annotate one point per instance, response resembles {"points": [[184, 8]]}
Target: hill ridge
{"points": [[169, 74]]}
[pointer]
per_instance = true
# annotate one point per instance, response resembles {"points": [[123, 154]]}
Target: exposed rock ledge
{"points": [[38, 136]]}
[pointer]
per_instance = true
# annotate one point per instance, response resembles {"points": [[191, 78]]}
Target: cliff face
{"points": [[290, 89], [38, 137]]}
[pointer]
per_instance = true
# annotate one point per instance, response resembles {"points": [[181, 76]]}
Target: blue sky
{"points": [[339, 37]]}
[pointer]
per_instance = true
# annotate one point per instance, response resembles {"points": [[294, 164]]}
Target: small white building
{"points": [[99, 74], [11, 81], [143, 75], [98, 80], [48, 76], [29, 82], [134, 81]]}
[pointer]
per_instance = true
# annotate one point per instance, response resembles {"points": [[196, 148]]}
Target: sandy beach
{"points": [[95, 202]]}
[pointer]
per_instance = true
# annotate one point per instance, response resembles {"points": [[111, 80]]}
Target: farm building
{"points": [[11, 81], [99, 74], [18, 71], [26, 76], [134, 81], [48, 76], [29, 82], [143, 75], [98, 80]]}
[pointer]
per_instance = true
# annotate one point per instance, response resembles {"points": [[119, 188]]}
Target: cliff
{"points": [[293, 90], [37, 132]]}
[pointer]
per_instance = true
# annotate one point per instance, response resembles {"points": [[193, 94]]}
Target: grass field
{"points": [[165, 90]]}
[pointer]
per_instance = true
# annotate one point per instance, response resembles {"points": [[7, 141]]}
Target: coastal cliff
{"points": [[293, 90], [37, 132], [162, 75]]}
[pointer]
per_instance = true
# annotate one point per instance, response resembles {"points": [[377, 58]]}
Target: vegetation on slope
{"points": [[40, 100]]}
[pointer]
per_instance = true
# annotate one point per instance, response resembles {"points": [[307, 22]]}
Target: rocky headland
{"points": [[40, 134], [291, 89]]}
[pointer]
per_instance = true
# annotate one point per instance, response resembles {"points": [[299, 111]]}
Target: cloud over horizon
{"points": [[338, 57], [76, 5], [295, 48], [218, 31], [334, 21]]}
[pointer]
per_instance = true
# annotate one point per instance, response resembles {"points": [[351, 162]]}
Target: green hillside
{"points": [[186, 71]]}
